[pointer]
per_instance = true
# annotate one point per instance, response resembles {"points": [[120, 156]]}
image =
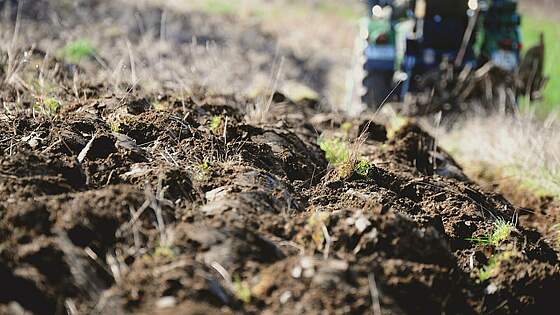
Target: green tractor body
{"points": [[432, 47]]}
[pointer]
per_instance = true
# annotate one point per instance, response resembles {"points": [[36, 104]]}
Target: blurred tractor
{"points": [[380, 53], [446, 55]]}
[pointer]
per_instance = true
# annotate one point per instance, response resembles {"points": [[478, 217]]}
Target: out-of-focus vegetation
{"points": [[221, 6], [78, 50], [521, 149], [531, 28], [345, 10]]}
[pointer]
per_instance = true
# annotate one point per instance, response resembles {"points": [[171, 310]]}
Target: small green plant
{"points": [[501, 232], [52, 105], [164, 252], [242, 290], [202, 170], [49, 105], [345, 127], [115, 126], [215, 124], [336, 150], [204, 167], [362, 168], [493, 267], [115, 122], [489, 270], [77, 50]]}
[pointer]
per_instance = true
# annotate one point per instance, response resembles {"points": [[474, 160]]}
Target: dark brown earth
{"points": [[254, 221], [536, 211], [184, 203]]}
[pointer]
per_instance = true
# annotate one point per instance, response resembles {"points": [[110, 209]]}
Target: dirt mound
{"points": [[187, 207]]}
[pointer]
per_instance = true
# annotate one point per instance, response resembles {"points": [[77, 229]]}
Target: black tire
{"points": [[377, 86]]}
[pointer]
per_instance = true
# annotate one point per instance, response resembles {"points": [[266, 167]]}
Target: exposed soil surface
{"points": [[174, 211], [539, 212], [182, 203]]}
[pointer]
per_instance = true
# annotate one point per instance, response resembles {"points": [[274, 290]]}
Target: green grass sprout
{"points": [[77, 50], [493, 267], [204, 167], [242, 290], [52, 105], [164, 252], [346, 127], [336, 150], [362, 168], [215, 124], [501, 232]]}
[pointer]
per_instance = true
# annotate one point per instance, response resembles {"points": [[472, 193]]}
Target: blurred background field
{"points": [[532, 26], [538, 16]]}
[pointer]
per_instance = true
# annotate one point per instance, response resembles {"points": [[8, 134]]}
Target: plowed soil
{"points": [[181, 203]]}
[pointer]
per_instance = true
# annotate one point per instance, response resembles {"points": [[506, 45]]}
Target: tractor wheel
{"points": [[377, 88]]}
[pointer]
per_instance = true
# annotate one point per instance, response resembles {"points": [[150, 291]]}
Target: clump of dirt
{"points": [[179, 211]]}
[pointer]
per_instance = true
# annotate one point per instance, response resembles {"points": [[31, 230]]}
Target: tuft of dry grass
{"points": [[520, 147], [161, 50], [259, 111]]}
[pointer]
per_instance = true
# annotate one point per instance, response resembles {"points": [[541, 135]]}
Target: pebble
{"points": [[362, 224], [166, 302], [296, 272], [491, 288], [285, 297]]}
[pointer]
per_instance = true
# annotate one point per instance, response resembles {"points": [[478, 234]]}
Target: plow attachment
{"points": [[488, 88]]}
